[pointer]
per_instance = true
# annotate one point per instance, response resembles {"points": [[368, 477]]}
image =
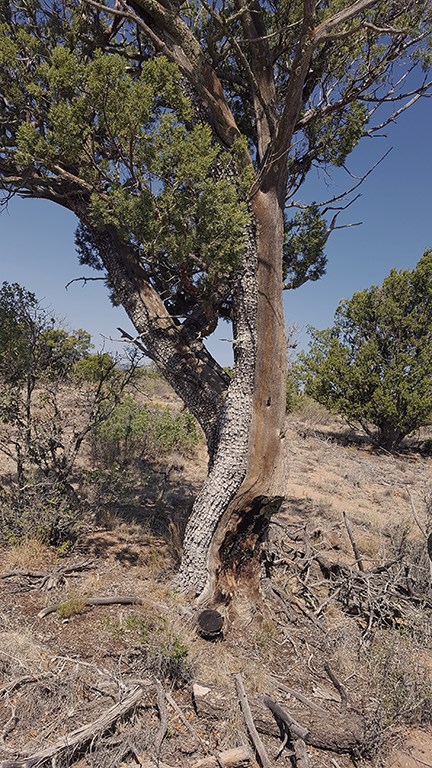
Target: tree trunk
{"points": [[245, 485], [186, 364], [243, 422]]}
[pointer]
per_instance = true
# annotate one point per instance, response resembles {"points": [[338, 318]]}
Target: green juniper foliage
{"points": [[127, 137], [374, 365], [90, 110]]}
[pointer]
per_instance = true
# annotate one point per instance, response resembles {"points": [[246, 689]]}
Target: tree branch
{"points": [[324, 31]]}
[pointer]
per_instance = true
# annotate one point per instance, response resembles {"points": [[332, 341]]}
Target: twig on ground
{"points": [[10, 724], [355, 549], [338, 685], [163, 717]]}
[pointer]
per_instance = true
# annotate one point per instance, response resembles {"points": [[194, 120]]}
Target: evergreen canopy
{"points": [[374, 365]]}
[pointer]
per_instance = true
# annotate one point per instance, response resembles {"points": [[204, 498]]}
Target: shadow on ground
{"points": [[144, 504]]}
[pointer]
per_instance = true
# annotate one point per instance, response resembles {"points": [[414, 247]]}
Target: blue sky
{"points": [[37, 239]]}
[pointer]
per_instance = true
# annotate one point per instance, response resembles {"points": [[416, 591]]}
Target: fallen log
{"points": [[89, 601]]}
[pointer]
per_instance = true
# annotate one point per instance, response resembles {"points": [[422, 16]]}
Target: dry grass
{"points": [[91, 657], [29, 554]]}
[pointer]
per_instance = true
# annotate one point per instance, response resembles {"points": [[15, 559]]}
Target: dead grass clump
{"points": [[20, 653], [399, 680], [28, 554], [310, 411], [156, 647]]}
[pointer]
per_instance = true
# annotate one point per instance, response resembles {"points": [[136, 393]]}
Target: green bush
{"points": [[374, 366], [132, 432], [93, 368]]}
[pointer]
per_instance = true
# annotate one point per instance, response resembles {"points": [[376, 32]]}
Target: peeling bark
{"points": [[244, 487]]}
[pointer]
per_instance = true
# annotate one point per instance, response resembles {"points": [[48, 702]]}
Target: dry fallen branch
{"points": [[77, 739], [230, 758], [90, 601], [46, 580], [338, 685], [301, 697], [291, 730], [345, 735], [253, 733], [163, 717], [355, 549], [284, 719]]}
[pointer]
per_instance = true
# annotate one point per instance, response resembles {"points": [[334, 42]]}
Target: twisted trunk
{"points": [[186, 364], [243, 421], [245, 485]]}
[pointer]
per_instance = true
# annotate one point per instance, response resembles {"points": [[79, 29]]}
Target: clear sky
{"points": [[37, 239]]}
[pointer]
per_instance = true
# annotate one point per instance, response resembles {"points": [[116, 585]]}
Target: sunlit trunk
{"points": [[245, 484]]}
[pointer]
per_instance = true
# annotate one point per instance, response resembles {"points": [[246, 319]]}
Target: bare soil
{"points": [[355, 644]]}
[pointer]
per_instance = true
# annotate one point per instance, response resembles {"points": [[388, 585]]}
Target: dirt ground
{"points": [[341, 649]]}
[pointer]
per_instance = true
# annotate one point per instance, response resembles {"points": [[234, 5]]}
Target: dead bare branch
{"points": [[339, 687], [91, 601], [75, 740], [355, 549], [163, 717], [253, 733]]}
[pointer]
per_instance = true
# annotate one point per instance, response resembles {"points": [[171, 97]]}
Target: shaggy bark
{"points": [[243, 418]]}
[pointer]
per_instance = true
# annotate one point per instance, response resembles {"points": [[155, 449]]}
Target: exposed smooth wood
{"points": [[253, 733], [89, 601], [281, 716], [231, 758], [300, 697], [301, 755], [338, 685]]}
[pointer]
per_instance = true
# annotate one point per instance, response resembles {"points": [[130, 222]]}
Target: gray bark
{"points": [[246, 480], [186, 364], [230, 461]]}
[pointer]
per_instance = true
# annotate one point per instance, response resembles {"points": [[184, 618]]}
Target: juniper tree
{"points": [[374, 365], [179, 134]]}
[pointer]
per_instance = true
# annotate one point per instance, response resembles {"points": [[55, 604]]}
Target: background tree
{"points": [[45, 417], [178, 134], [374, 365]]}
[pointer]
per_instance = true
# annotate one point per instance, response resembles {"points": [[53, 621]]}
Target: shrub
{"points": [[165, 654], [134, 431], [373, 366], [46, 510]]}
